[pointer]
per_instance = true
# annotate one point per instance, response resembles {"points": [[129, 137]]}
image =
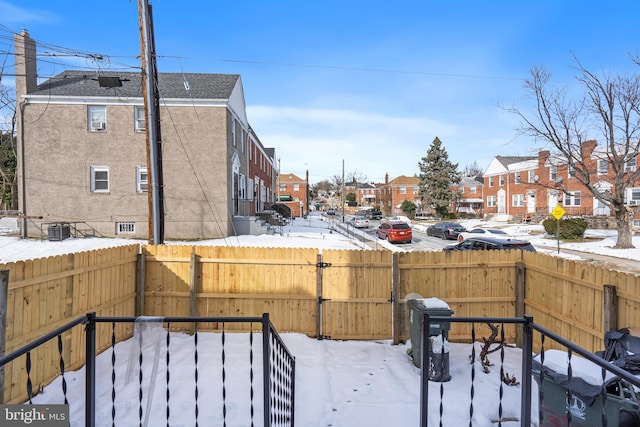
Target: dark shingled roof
{"points": [[507, 160], [171, 85]]}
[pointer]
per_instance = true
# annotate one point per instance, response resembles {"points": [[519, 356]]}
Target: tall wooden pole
{"points": [[151, 113]]}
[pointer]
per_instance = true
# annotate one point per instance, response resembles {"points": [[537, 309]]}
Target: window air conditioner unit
{"points": [[99, 126], [633, 202]]}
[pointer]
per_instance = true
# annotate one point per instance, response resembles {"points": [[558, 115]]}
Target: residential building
{"points": [[366, 195], [470, 196], [293, 192], [531, 187], [83, 151], [396, 191]]}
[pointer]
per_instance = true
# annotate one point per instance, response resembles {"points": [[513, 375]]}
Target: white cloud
{"points": [[18, 15], [319, 139]]}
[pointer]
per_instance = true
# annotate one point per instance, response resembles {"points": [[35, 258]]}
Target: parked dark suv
{"points": [[373, 214], [490, 243]]}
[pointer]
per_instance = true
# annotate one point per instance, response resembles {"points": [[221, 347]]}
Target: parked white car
{"points": [[360, 221], [481, 232], [400, 218]]}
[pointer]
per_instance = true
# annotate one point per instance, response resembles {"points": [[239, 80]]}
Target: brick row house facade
{"points": [[82, 151], [531, 187], [293, 192], [396, 191]]}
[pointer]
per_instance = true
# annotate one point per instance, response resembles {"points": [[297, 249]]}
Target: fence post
{"points": [[319, 296], [266, 369], [193, 289], [520, 295], [395, 296], [4, 295], [610, 302], [140, 273], [527, 365], [90, 371]]}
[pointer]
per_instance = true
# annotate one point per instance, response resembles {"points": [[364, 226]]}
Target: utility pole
{"points": [[152, 120]]}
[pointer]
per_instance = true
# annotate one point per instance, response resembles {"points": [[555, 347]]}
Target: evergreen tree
{"points": [[437, 175]]}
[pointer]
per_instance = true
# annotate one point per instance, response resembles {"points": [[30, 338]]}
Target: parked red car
{"points": [[395, 232]]}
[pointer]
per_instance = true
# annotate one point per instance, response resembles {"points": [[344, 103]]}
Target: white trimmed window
{"points": [[403, 190], [572, 199], [634, 196], [125, 227], [531, 177], [491, 201], [296, 187], [630, 165], [572, 171], [97, 118], [516, 177], [142, 179], [603, 167], [233, 132], [501, 181], [472, 190], [99, 179], [553, 172], [139, 123], [242, 188], [517, 200], [490, 181]]}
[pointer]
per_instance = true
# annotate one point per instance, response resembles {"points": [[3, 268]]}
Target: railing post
{"points": [[425, 363], [90, 371], [4, 295], [266, 369], [527, 366]]}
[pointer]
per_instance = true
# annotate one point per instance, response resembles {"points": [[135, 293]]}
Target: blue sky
{"points": [[368, 82]]}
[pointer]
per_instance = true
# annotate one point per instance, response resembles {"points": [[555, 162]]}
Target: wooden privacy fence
{"points": [[340, 294]]}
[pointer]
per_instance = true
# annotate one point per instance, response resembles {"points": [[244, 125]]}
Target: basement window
{"points": [[126, 227]]}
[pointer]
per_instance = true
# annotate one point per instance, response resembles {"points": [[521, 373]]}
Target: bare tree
{"points": [[472, 170], [8, 153], [356, 177], [610, 106]]}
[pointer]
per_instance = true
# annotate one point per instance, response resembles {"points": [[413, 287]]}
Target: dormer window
{"points": [[97, 118]]}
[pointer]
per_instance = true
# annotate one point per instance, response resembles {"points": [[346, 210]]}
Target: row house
{"points": [[531, 187], [83, 151], [366, 195], [396, 191], [469, 196], [293, 192]]}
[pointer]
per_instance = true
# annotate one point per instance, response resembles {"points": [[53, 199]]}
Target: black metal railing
{"points": [[615, 380], [277, 364]]}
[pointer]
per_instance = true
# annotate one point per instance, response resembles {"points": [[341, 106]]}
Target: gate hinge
{"points": [[323, 264]]}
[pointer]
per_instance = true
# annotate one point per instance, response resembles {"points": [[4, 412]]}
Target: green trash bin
{"points": [[438, 333], [585, 405]]}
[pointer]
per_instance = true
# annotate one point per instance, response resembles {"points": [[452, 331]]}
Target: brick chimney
{"points": [[25, 59]]}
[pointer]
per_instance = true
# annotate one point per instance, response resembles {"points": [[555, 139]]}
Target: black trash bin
{"points": [[586, 403], [438, 334]]}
